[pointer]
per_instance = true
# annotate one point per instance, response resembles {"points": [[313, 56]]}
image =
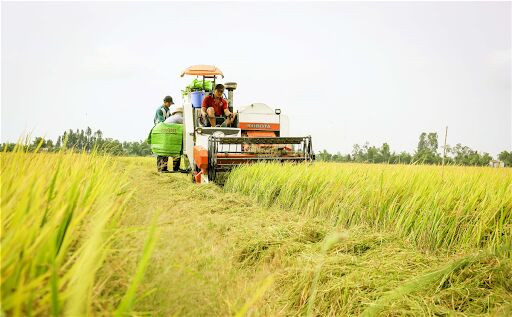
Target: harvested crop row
{"points": [[450, 208], [222, 254]]}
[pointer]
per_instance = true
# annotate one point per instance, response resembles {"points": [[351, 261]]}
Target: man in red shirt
{"points": [[214, 105]]}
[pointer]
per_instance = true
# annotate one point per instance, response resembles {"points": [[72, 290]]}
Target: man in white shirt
{"points": [[176, 115]]}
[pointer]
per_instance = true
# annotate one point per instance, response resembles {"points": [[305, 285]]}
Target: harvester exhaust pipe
{"points": [[230, 87]]}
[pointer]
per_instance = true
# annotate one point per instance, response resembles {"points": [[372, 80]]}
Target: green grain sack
{"points": [[166, 139]]}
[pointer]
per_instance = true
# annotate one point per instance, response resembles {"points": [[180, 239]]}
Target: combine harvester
{"points": [[259, 133]]}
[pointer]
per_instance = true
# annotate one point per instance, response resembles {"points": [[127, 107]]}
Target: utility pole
{"points": [[444, 148]]}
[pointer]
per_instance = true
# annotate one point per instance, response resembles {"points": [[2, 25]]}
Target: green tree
{"points": [[373, 155], [404, 158], [358, 155], [506, 157], [485, 158], [323, 156], [464, 155], [385, 153], [426, 151]]}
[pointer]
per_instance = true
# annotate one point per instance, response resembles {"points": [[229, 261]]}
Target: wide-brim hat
{"points": [[177, 109]]}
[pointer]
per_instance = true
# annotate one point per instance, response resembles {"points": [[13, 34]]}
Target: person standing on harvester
{"points": [[162, 113]]}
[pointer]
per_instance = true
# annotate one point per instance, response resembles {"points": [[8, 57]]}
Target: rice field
{"points": [[60, 215], [437, 208], [458, 215], [85, 234]]}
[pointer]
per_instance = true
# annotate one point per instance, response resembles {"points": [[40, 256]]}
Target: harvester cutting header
{"points": [[216, 138]]}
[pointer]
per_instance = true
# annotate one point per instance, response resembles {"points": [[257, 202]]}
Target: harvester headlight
{"points": [[278, 111]]}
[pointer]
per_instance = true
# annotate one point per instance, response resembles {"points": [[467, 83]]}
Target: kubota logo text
{"points": [[259, 125]]}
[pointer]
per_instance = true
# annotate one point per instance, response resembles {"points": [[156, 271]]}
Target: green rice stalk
{"points": [[128, 299], [56, 209]]}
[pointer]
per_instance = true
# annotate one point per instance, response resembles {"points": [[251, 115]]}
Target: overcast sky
{"points": [[344, 72]]}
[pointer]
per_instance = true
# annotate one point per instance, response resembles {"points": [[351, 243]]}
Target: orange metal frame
{"points": [[201, 158]]}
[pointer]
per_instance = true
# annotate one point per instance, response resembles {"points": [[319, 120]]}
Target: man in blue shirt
{"points": [[163, 112]]}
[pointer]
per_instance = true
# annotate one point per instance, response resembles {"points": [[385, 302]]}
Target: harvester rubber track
{"points": [[225, 153]]}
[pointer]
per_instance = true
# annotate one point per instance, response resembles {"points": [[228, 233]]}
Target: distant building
{"points": [[496, 163]]}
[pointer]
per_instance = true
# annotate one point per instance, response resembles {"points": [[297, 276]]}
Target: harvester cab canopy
{"points": [[208, 71]]}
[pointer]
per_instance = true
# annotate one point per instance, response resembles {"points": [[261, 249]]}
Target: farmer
{"points": [[214, 105], [161, 114], [176, 115], [163, 111]]}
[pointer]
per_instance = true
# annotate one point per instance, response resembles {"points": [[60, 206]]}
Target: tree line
{"points": [[427, 152], [85, 140]]}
